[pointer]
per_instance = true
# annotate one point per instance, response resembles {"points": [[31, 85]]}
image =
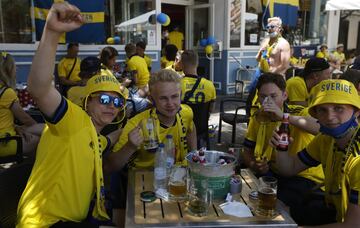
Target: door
{"points": [[200, 25]]}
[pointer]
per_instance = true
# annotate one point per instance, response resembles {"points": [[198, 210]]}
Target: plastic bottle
{"points": [[160, 175], [170, 152], [284, 133]]}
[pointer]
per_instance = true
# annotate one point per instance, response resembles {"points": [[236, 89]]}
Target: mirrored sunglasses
{"points": [[107, 99], [271, 27]]}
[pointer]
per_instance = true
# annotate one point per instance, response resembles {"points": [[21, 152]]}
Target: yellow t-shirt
{"points": [[205, 91], [65, 66], [339, 56], [164, 62], [296, 89], [176, 38], [341, 168], [139, 64], [67, 172], [183, 125], [293, 61], [7, 126], [7, 98], [259, 134], [322, 55]]}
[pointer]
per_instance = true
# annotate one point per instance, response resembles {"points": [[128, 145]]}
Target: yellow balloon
{"points": [[110, 40], [167, 22], [208, 49]]}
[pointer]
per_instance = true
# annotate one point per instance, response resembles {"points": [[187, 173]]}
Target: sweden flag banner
{"points": [[92, 11], [287, 10]]}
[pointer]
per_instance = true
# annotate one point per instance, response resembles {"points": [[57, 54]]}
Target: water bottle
{"points": [[160, 175], [170, 152]]}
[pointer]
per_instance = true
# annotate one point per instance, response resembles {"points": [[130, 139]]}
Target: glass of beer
{"points": [[267, 196], [200, 199], [150, 133], [177, 183]]}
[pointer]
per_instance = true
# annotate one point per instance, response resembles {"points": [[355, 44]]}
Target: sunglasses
{"points": [[107, 99], [271, 27]]}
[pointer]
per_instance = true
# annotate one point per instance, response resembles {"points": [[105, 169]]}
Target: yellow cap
{"points": [[105, 83], [333, 92]]}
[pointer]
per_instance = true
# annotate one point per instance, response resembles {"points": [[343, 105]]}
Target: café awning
{"points": [[342, 5]]}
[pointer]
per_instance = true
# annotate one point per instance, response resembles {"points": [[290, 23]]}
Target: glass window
{"points": [[253, 26], [132, 21], [15, 21], [235, 23]]}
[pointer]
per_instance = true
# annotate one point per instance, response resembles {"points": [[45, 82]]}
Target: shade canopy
{"points": [[342, 5]]}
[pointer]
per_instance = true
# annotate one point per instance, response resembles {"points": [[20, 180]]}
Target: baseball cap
{"points": [[340, 45], [333, 92], [323, 45], [102, 83], [315, 65], [89, 66]]}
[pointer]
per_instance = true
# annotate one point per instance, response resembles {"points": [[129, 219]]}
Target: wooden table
{"points": [[173, 214]]}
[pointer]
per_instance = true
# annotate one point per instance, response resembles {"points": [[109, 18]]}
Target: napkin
{"points": [[236, 209]]}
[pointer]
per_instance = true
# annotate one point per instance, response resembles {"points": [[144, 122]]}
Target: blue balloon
{"points": [[116, 39], [203, 42], [161, 18], [211, 40]]}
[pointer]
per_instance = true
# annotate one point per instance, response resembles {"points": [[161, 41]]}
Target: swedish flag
{"points": [[287, 10], [92, 31]]}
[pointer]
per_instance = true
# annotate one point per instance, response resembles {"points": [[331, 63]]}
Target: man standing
{"points": [[274, 54], [69, 68]]}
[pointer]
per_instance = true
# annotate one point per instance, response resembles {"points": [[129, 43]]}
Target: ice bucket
{"points": [[217, 175]]}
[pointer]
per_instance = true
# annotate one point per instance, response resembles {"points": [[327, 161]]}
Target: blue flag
{"points": [[92, 11], [287, 10]]}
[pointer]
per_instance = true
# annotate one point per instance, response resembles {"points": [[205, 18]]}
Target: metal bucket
{"points": [[217, 175]]}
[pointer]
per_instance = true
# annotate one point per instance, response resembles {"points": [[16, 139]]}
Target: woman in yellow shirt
{"points": [[10, 109]]}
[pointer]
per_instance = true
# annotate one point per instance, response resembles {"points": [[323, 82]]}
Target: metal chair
{"points": [[232, 118], [13, 181], [18, 157]]}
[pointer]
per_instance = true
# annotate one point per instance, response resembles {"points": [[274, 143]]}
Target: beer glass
{"points": [[267, 196], [149, 130], [200, 198], [177, 183]]}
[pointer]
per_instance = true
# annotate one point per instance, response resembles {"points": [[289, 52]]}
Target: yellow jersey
{"points": [[182, 126], [7, 98], [205, 91], [67, 171], [296, 89], [176, 38], [138, 64], [76, 94], [65, 66], [339, 56], [341, 168], [324, 55]]}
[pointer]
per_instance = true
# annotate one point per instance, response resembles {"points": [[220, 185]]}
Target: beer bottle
{"points": [[284, 133]]}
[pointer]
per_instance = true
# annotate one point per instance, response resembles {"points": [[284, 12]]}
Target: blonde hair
{"points": [[277, 20], [164, 75], [7, 70]]}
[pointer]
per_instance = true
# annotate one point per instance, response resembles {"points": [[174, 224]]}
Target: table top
{"points": [[169, 214]]}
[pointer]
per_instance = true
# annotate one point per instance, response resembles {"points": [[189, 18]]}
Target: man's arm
{"points": [[287, 164], [21, 115], [62, 17], [118, 159], [258, 167]]}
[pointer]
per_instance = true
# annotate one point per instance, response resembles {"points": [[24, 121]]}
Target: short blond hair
{"points": [[164, 75], [277, 20]]}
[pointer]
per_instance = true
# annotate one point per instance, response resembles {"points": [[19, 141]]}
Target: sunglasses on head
{"points": [[271, 27], [107, 99]]}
